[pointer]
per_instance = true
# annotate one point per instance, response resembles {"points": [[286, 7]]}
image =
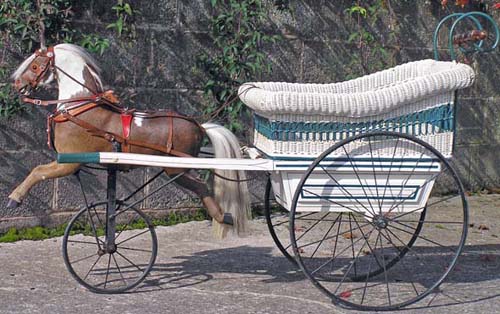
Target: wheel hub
{"points": [[380, 222], [110, 248]]}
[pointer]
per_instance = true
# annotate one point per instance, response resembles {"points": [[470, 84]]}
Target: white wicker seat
{"points": [[416, 98], [369, 95]]}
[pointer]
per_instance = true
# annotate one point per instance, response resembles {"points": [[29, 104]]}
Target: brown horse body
{"points": [[163, 129]]}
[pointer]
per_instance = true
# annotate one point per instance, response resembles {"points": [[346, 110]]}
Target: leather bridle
{"points": [[37, 70]]}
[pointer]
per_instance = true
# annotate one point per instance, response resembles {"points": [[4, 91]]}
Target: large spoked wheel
{"points": [[105, 268], [278, 222], [392, 224]]}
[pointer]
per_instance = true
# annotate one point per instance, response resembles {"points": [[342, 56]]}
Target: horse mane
{"points": [[91, 64], [81, 52]]}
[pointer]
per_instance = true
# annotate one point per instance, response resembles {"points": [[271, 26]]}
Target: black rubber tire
{"points": [[282, 243]]}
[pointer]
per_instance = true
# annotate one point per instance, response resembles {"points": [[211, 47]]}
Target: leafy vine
{"points": [[371, 53], [124, 25], [236, 28]]}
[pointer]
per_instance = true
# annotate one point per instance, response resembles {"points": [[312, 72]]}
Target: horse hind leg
{"points": [[40, 173], [200, 188]]}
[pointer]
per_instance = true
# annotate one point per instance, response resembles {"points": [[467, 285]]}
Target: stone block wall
{"points": [[160, 73]]}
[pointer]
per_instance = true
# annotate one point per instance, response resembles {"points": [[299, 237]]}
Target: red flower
{"points": [[496, 6], [462, 3]]}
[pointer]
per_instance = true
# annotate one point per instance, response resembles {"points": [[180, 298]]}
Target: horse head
{"points": [[37, 70], [76, 73]]}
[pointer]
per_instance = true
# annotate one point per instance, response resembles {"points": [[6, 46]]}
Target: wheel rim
{"points": [[109, 270], [376, 256], [276, 224]]}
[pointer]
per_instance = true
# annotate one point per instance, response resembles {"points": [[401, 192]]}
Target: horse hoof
{"points": [[228, 219], [12, 204]]}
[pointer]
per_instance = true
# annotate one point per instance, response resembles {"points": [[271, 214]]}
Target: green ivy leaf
{"points": [[119, 25], [127, 9]]}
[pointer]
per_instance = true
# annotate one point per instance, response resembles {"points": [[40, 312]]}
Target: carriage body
{"points": [[295, 123]]}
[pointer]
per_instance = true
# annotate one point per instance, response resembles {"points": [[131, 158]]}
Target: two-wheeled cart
{"points": [[377, 216]]}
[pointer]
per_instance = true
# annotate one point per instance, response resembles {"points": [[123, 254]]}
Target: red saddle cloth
{"points": [[126, 123]]}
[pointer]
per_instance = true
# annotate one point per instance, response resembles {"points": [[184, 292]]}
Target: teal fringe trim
{"points": [[435, 120]]}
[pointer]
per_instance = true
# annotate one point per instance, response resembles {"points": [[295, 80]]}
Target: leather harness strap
{"points": [[107, 97], [170, 123], [109, 136], [126, 118]]}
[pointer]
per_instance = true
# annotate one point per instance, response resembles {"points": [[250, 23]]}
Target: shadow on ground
{"points": [[478, 264]]}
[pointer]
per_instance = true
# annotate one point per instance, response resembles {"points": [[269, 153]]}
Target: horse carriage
{"points": [[377, 216]]}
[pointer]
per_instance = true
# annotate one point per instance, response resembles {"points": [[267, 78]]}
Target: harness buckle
{"points": [[38, 102]]}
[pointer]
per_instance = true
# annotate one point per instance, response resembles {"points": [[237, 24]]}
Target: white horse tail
{"points": [[233, 196]]}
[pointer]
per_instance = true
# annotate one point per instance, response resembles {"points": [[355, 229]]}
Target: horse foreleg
{"points": [[200, 188], [40, 173]]}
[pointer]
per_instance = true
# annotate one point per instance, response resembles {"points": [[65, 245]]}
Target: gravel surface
{"points": [[196, 274]]}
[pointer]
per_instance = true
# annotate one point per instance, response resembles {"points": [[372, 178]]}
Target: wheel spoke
{"points": [[335, 236], [423, 207], [346, 194], [91, 222], [336, 241], [132, 237], [339, 204], [107, 272], [431, 179], [326, 234], [83, 258], [389, 174], [388, 238], [333, 258], [300, 218], [375, 175], [421, 237], [134, 249], [360, 183], [352, 244], [368, 243], [352, 263], [134, 217], [433, 222], [119, 270], [131, 263], [83, 242], [385, 270], [403, 186], [92, 268]]}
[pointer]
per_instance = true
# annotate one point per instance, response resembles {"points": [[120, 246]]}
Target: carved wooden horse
{"points": [[87, 120]]}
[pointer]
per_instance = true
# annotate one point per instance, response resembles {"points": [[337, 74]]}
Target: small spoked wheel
{"points": [[278, 222], [390, 224], [105, 266]]}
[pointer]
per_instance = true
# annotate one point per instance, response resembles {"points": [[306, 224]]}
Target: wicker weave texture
{"points": [[370, 95]]}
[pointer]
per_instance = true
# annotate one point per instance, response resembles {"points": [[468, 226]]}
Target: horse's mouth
{"points": [[25, 90]]}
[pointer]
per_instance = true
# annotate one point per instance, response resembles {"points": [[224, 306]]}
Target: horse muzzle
{"points": [[22, 88]]}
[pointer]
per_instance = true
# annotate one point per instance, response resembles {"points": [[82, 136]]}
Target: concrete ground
{"points": [[196, 274]]}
